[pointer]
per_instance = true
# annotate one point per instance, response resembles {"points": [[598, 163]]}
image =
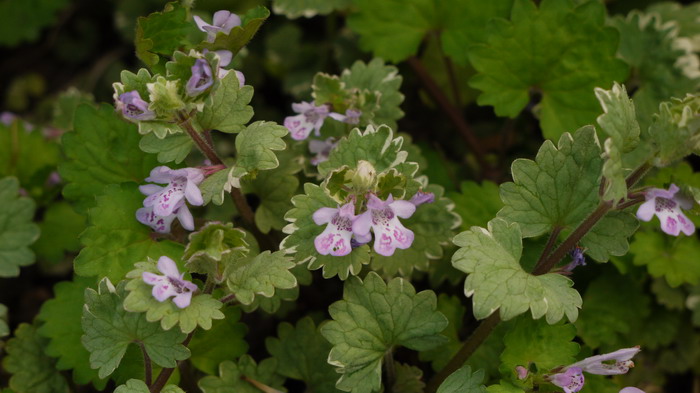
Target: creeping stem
{"points": [[544, 265], [147, 366]]}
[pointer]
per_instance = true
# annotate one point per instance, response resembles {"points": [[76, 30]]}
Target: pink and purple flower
{"points": [[223, 21], [666, 205], [310, 118], [171, 283], [133, 107], [383, 218], [336, 238]]}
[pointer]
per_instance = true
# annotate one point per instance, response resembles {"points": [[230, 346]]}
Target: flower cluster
{"points": [[666, 205], [171, 283], [571, 378], [345, 230], [163, 204], [311, 117]]}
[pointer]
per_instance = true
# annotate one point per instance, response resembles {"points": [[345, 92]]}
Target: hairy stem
{"points": [[147, 366], [548, 247], [166, 372], [478, 336], [452, 113], [228, 298]]}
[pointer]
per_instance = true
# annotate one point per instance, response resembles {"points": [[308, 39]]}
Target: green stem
{"points": [[478, 336]]}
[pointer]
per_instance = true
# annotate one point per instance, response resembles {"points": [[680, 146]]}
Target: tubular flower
{"points": [[310, 117], [383, 218], [571, 380], [336, 238], [171, 283], [631, 389], [163, 204], [223, 22], [622, 358], [225, 57], [422, 197], [351, 116], [201, 78], [322, 149], [666, 205], [133, 107]]}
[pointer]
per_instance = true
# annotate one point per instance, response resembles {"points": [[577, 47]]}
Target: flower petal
{"points": [[168, 267], [403, 209], [362, 224], [324, 215], [150, 189], [163, 291], [183, 300], [200, 22], [185, 217], [298, 127], [646, 210], [151, 278]]}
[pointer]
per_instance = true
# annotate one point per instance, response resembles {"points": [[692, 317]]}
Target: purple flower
{"points": [[383, 218], [322, 149], [571, 380], [310, 117], [225, 57], [422, 197], [133, 107], [163, 204], [667, 206], [577, 258], [201, 78], [522, 372], [336, 238], [351, 116], [223, 22], [621, 357], [170, 284], [631, 389]]}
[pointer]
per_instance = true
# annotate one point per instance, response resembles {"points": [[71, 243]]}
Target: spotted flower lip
{"points": [[201, 78], [171, 283], [383, 218], [133, 107], [666, 205], [336, 239], [223, 21], [310, 118], [182, 184], [161, 224], [571, 380], [595, 364]]}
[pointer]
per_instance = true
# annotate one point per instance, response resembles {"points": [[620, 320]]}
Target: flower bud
{"points": [[365, 176]]}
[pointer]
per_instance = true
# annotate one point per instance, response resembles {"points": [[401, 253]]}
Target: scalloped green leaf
{"points": [[227, 109], [615, 307], [372, 318], [557, 190], [32, 370], [609, 236], [203, 309], [664, 65], [215, 186], [301, 354], [208, 247], [239, 36], [159, 34], [109, 329], [235, 377], [619, 122], [685, 16], [60, 228], [674, 258], [88, 169], [174, 147], [476, 203], [302, 231], [17, 231], [496, 281], [61, 325], [256, 144], [259, 275], [408, 379], [675, 129], [463, 381], [274, 303], [114, 241], [138, 386], [559, 51], [225, 340], [433, 225], [293, 9]]}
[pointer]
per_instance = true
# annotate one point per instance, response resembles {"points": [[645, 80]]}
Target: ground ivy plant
{"points": [[344, 243]]}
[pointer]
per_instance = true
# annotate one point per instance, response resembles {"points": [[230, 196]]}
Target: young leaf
{"points": [[561, 50], [109, 329], [114, 241], [208, 246], [615, 306], [60, 230], [256, 144], [534, 341], [227, 109], [32, 370], [234, 377], [302, 231], [684, 16], [433, 225], [61, 325], [272, 304], [372, 318], [17, 231], [671, 258], [225, 340], [497, 281], [161, 33], [88, 169], [675, 130], [557, 190], [664, 64], [239, 36], [293, 9], [259, 275], [463, 381], [619, 122], [138, 386], [301, 353], [203, 309], [375, 76], [174, 147], [214, 186]]}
